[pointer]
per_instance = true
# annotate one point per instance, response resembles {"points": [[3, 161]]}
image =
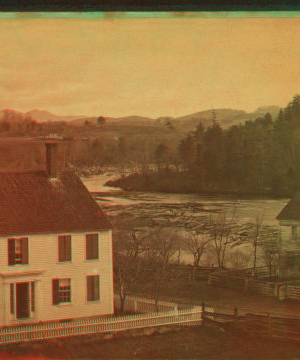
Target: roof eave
{"points": [[67, 231]]}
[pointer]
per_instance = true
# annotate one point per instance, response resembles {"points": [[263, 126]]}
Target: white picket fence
{"points": [[146, 305], [97, 325]]}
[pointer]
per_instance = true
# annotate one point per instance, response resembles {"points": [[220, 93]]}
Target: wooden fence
{"points": [[145, 305], [245, 280], [289, 290], [96, 325], [269, 325], [293, 292], [191, 273], [186, 273], [266, 325]]}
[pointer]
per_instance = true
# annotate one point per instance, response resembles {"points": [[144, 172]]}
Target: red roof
{"points": [[33, 203]]}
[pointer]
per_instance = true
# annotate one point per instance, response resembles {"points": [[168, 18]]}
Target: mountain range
{"points": [[225, 117]]}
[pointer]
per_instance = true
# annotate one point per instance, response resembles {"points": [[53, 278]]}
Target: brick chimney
{"points": [[51, 159]]}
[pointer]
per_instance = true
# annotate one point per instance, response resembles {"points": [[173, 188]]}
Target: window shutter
{"points": [[11, 252], [96, 288], [32, 295], [92, 246], [70, 290], [55, 291], [24, 247], [61, 248], [12, 298], [68, 248], [89, 247], [90, 288]]}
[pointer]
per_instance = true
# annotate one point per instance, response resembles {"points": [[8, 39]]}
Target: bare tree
{"points": [[239, 259], [252, 232], [162, 247], [197, 244], [270, 245], [223, 233], [265, 237], [257, 227], [127, 249]]}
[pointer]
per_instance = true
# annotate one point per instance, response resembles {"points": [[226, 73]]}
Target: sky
{"points": [[150, 64]]}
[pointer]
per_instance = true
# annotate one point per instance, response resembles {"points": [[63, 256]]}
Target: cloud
{"points": [[147, 66]]}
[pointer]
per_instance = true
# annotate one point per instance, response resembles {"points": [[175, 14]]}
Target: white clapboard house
{"points": [[55, 247]]}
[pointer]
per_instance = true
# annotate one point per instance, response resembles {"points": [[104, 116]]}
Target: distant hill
{"points": [[43, 115], [126, 120], [37, 115], [134, 120], [11, 115], [225, 117], [273, 110], [187, 123]]}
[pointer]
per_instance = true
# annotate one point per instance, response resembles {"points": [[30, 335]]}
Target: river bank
{"points": [[169, 181]]}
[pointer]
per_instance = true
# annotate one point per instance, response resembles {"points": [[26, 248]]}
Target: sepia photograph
{"points": [[149, 185]]}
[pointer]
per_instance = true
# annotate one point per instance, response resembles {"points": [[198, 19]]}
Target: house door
{"points": [[22, 300]]}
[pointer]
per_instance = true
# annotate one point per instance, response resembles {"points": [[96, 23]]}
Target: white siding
{"points": [[43, 258]]}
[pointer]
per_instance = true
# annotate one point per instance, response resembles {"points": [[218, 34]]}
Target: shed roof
{"points": [[291, 211], [34, 203]]}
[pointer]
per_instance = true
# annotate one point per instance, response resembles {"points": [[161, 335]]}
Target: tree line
{"points": [[257, 157]]}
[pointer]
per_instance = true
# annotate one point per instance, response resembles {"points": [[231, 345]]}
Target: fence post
{"points": [[193, 276], [246, 284], [277, 286], [236, 313], [270, 324], [282, 292], [135, 306], [203, 311]]}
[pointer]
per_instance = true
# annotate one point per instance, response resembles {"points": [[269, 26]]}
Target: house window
{"points": [[61, 291], [12, 298], [92, 246], [18, 251], [294, 232], [93, 292], [64, 248]]}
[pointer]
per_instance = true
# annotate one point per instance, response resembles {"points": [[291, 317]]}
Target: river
{"points": [[245, 210]]}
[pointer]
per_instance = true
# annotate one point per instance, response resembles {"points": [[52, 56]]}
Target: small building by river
{"points": [[290, 216]]}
